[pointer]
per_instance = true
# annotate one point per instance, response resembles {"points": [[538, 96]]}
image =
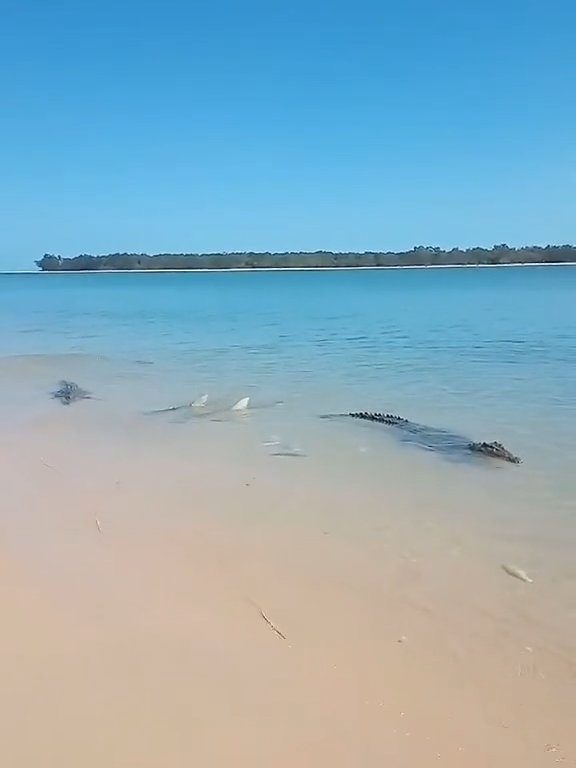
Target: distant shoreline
{"points": [[285, 269], [420, 256]]}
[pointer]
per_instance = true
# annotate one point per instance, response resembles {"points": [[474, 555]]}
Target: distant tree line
{"points": [[419, 256]]}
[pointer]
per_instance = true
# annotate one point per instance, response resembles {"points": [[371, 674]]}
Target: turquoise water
{"points": [[449, 333], [489, 353]]}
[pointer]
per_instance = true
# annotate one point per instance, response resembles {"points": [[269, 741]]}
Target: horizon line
{"points": [[285, 269]]}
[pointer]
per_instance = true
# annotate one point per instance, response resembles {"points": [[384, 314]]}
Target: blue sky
{"points": [[173, 125]]}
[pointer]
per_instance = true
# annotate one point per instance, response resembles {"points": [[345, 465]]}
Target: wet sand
{"points": [[137, 560]]}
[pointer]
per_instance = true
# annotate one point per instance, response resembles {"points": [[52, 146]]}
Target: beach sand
{"points": [[143, 566]]}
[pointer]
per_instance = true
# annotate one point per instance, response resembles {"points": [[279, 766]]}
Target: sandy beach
{"points": [[289, 269], [172, 598]]}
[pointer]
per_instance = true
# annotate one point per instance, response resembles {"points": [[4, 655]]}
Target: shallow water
{"points": [[488, 354]]}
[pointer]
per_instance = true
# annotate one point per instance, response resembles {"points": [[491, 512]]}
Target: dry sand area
{"points": [[167, 606]]}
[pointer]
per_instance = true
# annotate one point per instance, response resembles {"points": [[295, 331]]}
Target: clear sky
{"points": [[194, 125]]}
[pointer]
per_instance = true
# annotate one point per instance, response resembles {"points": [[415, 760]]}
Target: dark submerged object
{"points": [[436, 439], [69, 392]]}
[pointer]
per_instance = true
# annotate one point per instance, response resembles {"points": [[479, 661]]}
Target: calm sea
{"points": [[489, 354]]}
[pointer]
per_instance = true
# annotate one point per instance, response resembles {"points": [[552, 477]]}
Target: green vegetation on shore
{"points": [[419, 256]]}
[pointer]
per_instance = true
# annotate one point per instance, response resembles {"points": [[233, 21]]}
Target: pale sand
{"points": [[286, 269], [143, 645]]}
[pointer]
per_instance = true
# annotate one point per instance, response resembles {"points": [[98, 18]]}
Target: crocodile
{"points": [[495, 450], [433, 438], [382, 418], [69, 392]]}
